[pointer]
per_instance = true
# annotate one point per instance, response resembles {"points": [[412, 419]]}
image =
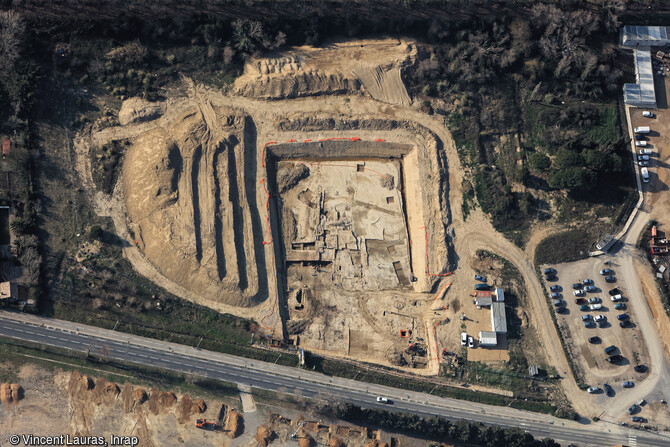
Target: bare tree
{"points": [[12, 28]]}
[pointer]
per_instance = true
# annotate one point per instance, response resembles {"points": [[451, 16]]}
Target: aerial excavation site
{"points": [[345, 223]]}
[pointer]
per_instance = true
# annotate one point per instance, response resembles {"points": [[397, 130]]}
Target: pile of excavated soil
{"points": [[187, 408], [132, 397], [264, 435], [305, 439], [137, 109], [234, 424], [10, 393], [187, 191], [336, 442], [105, 392], [160, 401]]}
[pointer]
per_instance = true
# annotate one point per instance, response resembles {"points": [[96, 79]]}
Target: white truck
{"points": [[642, 129], [645, 174]]}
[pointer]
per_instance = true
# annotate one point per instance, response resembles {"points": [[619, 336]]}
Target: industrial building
{"points": [[641, 39], [645, 37], [498, 318]]}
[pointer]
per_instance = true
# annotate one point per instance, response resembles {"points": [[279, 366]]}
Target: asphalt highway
{"points": [[268, 376]]}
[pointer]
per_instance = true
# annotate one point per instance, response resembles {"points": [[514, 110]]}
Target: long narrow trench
{"points": [[238, 218], [195, 187]]}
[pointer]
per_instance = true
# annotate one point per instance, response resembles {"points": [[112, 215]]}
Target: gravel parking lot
{"points": [[590, 358]]}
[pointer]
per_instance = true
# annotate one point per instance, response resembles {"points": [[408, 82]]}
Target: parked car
{"points": [[587, 281], [608, 388], [549, 271], [637, 419], [595, 339], [562, 310], [616, 297], [602, 323], [589, 288], [620, 306], [555, 288], [471, 342], [584, 308], [647, 113], [628, 384], [623, 317], [641, 368], [633, 409], [640, 143], [556, 295], [640, 137], [615, 291], [558, 303], [610, 349], [595, 306], [586, 317], [643, 163], [593, 390], [600, 318], [480, 278], [606, 272], [625, 323], [464, 338], [589, 324], [610, 278], [594, 300], [551, 277], [644, 151], [579, 293], [580, 301], [577, 285], [643, 158], [615, 358]]}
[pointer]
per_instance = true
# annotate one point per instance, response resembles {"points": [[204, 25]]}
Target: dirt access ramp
{"points": [[371, 66]]}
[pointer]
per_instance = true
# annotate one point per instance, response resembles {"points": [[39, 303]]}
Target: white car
{"points": [[464, 338], [593, 390], [643, 157], [616, 297], [647, 114], [471, 342], [382, 400], [645, 151], [643, 163], [640, 143], [595, 306], [579, 293], [599, 318]]}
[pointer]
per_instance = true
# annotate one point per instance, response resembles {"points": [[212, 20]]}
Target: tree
{"points": [[12, 28], [566, 159], [570, 178], [96, 232], [602, 162], [539, 161]]}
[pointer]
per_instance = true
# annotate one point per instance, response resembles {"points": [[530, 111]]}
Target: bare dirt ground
{"points": [[362, 325]]}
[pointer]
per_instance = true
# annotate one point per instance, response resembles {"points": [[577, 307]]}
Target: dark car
{"points": [[480, 278], [589, 324], [606, 272], [623, 317], [594, 300], [615, 358], [641, 368], [555, 288], [556, 295], [587, 281], [625, 323], [580, 301], [549, 271], [577, 285], [620, 306], [594, 340], [639, 137], [615, 291], [610, 278], [551, 277], [602, 323], [608, 388], [584, 307], [590, 288], [633, 409], [610, 349], [562, 310], [637, 419]]}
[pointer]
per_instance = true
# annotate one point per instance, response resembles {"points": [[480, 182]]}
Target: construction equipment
{"points": [[295, 433], [204, 425]]}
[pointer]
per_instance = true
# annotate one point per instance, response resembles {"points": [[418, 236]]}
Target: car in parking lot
{"points": [[580, 301], [600, 318], [556, 295], [643, 163], [577, 285], [464, 338], [615, 291], [641, 368], [551, 277], [586, 317], [633, 408], [589, 288], [594, 340], [606, 272], [562, 310], [579, 293], [549, 271], [622, 317], [640, 137], [620, 306], [555, 288], [647, 114], [637, 419], [610, 278], [608, 388], [589, 324], [471, 342], [625, 323], [645, 151], [640, 143], [587, 281], [615, 358], [584, 307], [558, 303], [480, 278], [628, 384], [610, 349], [594, 300], [593, 390], [595, 306], [642, 157], [616, 297]]}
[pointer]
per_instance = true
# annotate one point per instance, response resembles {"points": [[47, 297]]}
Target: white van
{"points": [[647, 114], [645, 174], [642, 129]]}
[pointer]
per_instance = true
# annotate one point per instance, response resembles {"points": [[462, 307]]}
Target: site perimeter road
{"points": [[268, 376]]}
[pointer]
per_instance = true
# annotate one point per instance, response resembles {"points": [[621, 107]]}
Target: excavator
{"points": [[204, 425]]}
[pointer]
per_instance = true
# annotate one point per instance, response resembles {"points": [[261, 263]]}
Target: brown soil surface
{"points": [[264, 435], [234, 424]]}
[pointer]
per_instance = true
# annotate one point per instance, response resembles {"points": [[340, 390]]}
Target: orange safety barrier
{"points": [[263, 153], [440, 291], [428, 271]]}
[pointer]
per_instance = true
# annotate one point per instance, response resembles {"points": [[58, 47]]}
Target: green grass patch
{"points": [[567, 246]]}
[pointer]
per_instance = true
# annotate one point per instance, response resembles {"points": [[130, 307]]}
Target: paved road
{"points": [[130, 348]]}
